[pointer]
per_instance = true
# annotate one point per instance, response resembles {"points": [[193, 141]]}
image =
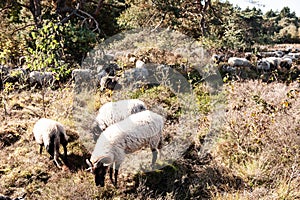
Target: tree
{"points": [[189, 17]]}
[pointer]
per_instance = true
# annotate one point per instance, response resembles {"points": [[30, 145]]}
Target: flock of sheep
{"points": [[105, 76], [266, 61], [120, 128]]}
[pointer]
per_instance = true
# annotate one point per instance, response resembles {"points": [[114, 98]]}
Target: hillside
{"points": [[254, 155]]}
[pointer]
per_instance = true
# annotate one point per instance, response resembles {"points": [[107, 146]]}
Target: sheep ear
{"points": [[106, 161], [88, 162]]}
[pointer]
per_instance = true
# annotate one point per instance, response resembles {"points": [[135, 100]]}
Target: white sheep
{"points": [[41, 78], [274, 62], [125, 137], [295, 55], [239, 62], [113, 112], [51, 134], [139, 64]]}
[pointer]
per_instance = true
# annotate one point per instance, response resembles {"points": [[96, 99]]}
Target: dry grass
{"points": [[260, 140], [255, 155]]}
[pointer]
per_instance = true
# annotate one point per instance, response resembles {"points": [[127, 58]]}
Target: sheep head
{"points": [[99, 169]]}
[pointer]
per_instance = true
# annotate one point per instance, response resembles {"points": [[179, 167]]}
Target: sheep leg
{"points": [[116, 174], [159, 147], [56, 153], [64, 143], [111, 174], [154, 157], [41, 148]]}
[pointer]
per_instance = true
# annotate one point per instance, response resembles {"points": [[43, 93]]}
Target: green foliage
{"points": [[56, 47], [77, 41], [45, 48], [11, 39]]}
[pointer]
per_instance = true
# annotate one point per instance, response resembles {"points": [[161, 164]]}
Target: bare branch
{"points": [[21, 28], [79, 13], [99, 6]]}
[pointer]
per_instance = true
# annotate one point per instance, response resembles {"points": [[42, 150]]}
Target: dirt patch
{"points": [[8, 138]]}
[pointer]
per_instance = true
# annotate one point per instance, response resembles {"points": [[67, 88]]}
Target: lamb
{"points": [[125, 137], [51, 134], [239, 62], [113, 112]]}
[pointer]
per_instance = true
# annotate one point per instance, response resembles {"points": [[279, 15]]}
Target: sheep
{"points": [[41, 78], [263, 65], [106, 77], [8, 198], [125, 137], [51, 134], [113, 112], [295, 55], [109, 82], [286, 62], [274, 62], [139, 64], [242, 62]]}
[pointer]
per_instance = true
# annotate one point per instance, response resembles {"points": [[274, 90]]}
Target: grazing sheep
{"points": [[108, 82], [51, 134], [239, 62], [106, 77], [125, 137], [286, 63], [295, 55], [274, 62], [41, 78], [113, 112], [263, 65]]}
